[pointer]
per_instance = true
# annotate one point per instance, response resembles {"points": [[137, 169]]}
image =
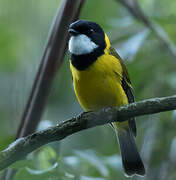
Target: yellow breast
{"points": [[99, 85]]}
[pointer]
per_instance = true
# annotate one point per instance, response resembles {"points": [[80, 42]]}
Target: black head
{"points": [[87, 41], [90, 29]]}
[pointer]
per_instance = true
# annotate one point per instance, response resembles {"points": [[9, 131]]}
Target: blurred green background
{"points": [[92, 154]]}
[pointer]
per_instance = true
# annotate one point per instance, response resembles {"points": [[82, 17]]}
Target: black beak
{"points": [[73, 32]]}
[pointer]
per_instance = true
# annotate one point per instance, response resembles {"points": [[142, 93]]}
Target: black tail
{"points": [[131, 159]]}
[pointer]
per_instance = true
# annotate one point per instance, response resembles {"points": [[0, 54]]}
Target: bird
{"points": [[100, 80]]}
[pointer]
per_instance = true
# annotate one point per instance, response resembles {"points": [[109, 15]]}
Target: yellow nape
{"points": [[108, 44]]}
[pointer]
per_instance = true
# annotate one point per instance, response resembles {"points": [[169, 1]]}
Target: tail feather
{"points": [[132, 126], [131, 159]]}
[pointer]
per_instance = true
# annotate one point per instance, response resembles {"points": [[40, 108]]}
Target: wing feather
{"points": [[127, 87]]}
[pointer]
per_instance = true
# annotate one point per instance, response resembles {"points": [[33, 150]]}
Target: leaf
{"points": [[94, 160], [69, 175], [37, 172], [90, 178], [72, 161], [46, 157], [69, 167]]}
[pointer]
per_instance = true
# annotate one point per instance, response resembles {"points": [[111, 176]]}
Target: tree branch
{"points": [[22, 146], [136, 11], [51, 61]]}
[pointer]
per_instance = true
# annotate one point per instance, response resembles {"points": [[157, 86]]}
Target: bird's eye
{"points": [[90, 31]]}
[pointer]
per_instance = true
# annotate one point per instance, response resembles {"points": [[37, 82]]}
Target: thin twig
{"points": [[20, 148], [136, 11]]}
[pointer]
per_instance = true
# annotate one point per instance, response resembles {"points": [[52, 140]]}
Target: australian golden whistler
{"points": [[100, 80]]}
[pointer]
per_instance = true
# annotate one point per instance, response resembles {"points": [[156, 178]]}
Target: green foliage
{"points": [[83, 165], [92, 154]]}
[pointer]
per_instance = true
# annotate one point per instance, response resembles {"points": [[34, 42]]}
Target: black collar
{"points": [[82, 62]]}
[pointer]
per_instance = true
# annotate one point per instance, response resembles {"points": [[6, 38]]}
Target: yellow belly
{"points": [[100, 85]]}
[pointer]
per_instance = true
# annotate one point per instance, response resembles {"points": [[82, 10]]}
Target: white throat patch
{"points": [[81, 44]]}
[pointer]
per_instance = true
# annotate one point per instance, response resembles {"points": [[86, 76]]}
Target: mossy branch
{"points": [[23, 146]]}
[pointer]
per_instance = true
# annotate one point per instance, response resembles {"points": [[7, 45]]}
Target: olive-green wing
{"points": [[126, 84]]}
